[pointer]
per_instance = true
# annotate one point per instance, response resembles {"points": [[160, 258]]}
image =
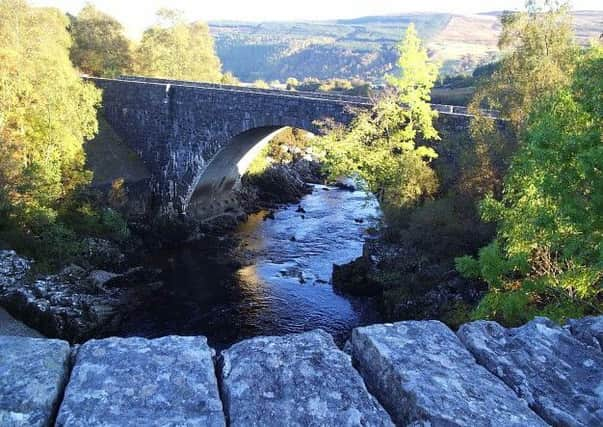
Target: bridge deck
{"points": [[358, 101]]}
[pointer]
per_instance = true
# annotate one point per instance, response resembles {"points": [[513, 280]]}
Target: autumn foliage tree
{"points": [[547, 258], [46, 114], [178, 50], [46, 110], [100, 47]]}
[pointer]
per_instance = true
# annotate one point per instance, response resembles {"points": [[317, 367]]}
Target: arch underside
{"points": [[213, 193]]}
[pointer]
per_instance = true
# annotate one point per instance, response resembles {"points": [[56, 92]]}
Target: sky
{"points": [[136, 15]]}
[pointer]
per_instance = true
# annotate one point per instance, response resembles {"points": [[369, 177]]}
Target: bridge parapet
{"points": [[358, 100], [411, 373], [302, 94]]}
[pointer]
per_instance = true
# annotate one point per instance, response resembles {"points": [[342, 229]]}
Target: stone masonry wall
{"points": [[415, 373], [177, 129]]}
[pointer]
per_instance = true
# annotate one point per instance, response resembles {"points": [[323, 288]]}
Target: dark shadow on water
{"points": [[285, 289]]}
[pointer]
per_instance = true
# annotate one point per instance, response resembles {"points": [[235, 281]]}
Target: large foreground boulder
{"points": [[295, 380], [423, 375], [560, 377], [33, 374], [11, 326], [141, 382]]}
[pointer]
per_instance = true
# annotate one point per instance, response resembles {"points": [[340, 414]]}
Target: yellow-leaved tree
{"points": [[178, 50], [46, 114], [100, 47], [380, 145]]}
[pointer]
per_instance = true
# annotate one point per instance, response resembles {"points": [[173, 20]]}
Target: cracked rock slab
{"points": [[140, 382], [423, 375], [33, 373], [295, 380], [560, 377]]}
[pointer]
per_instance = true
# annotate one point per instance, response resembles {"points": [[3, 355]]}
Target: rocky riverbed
{"points": [[74, 304]]}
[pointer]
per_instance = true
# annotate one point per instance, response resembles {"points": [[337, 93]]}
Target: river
{"points": [[283, 288]]}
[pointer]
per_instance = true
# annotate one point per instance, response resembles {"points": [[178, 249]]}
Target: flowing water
{"points": [[286, 286]]}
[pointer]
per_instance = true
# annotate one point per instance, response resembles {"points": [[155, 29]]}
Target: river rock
{"points": [[99, 278], [12, 267], [102, 253], [33, 373], [589, 330], [295, 380], [346, 183], [560, 377], [354, 278], [65, 305], [141, 382], [423, 375], [278, 184]]}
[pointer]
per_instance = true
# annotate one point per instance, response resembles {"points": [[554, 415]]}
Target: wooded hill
{"points": [[365, 47]]}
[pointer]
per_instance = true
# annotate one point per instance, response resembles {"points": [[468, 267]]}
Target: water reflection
{"points": [[286, 288]]}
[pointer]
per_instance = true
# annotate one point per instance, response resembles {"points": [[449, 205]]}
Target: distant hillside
{"points": [[364, 47]]}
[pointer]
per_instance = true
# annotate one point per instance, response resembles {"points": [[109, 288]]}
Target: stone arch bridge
{"points": [[197, 139]]}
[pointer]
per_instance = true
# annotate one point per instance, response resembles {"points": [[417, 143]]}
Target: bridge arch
{"points": [[213, 190]]}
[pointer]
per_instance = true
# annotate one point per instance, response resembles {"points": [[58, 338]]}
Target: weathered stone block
{"points": [[141, 382], [589, 330], [295, 380], [33, 373], [559, 376], [423, 375]]}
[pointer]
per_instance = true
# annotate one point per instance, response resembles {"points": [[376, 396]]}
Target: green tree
{"points": [[261, 84], [379, 146], [538, 56], [100, 47], [178, 50], [548, 255], [46, 114]]}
